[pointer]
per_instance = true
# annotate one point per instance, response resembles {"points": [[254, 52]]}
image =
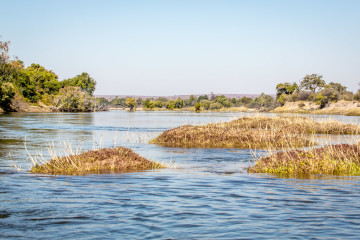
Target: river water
{"points": [[205, 194]]}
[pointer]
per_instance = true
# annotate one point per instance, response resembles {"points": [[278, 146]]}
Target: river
{"points": [[205, 194]]}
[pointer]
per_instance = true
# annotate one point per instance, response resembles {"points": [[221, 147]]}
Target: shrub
{"points": [[205, 104], [304, 95], [321, 100], [357, 95], [197, 107], [131, 103], [347, 96], [170, 105], [72, 99], [214, 106], [7, 91]]}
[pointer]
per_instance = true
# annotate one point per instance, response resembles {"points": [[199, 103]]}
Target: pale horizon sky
{"points": [[187, 47]]}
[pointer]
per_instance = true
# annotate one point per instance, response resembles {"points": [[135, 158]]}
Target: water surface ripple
{"points": [[208, 195]]}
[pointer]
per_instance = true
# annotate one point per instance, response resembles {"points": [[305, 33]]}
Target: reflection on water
{"points": [[207, 194]]}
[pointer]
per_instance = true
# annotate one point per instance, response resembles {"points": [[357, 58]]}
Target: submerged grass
{"points": [[117, 159], [341, 159], [253, 132]]}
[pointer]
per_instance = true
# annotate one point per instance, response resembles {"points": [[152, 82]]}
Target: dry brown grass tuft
{"points": [[253, 133], [342, 159], [104, 160], [296, 124]]}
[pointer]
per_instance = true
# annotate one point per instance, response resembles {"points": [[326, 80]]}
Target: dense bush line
{"points": [[36, 84]]}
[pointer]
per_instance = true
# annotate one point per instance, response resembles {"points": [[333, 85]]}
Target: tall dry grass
{"points": [[340, 159], [254, 133], [70, 161]]}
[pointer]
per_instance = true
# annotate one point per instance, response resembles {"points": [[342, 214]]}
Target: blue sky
{"points": [[187, 47]]}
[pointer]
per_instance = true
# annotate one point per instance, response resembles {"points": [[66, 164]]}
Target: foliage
{"points": [[131, 103], [203, 97], [216, 105], [263, 101], [139, 102], [286, 88], [149, 104], [337, 87], [84, 81], [282, 99], [205, 104], [312, 82], [73, 99], [118, 102], [197, 107], [7, 91], [245, 101], [36, 81], [357, 95], [321, 100], [170, 105], [179, 103]]}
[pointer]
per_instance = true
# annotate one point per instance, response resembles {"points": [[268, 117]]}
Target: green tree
{"points": [[170, 104], [84, 81], [312, 82], [179, 103], [118, 102], [139, 102], [131, 103], [202, 97], [73, 99], [286, 88], [205, 104], [36, 81], [336, 86], [321, 100], [7, 92], [197, 107], [7, 71], [149, 104], [263, 101], [245, 101]]}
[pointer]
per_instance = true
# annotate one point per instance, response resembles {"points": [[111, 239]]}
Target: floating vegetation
{"points": [[341, 159], [104, 160]]}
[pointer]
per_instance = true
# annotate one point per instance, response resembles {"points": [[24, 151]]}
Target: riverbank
{"points": [[348, 108]]}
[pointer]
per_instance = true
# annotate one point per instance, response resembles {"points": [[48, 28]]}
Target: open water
{"points": [[206, 194]]}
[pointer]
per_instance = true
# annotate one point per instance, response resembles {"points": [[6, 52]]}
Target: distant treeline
{"points": [[37, 85], [314, 88], [311, 88], [203, 102]]}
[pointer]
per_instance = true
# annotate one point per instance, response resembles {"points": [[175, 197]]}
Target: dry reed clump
{"points": [[296, 124], [342, 159], [95, 161], [253, 132], [224, 135]]}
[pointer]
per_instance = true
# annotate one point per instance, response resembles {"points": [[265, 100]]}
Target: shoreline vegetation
{"points": [[37, 89], [253, 133], [105, 160]]}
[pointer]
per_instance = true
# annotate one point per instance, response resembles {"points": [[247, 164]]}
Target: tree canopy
{"points": [[312, 82]]}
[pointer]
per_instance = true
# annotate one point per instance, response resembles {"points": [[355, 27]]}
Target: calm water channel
{"points": [[207, 193]]}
